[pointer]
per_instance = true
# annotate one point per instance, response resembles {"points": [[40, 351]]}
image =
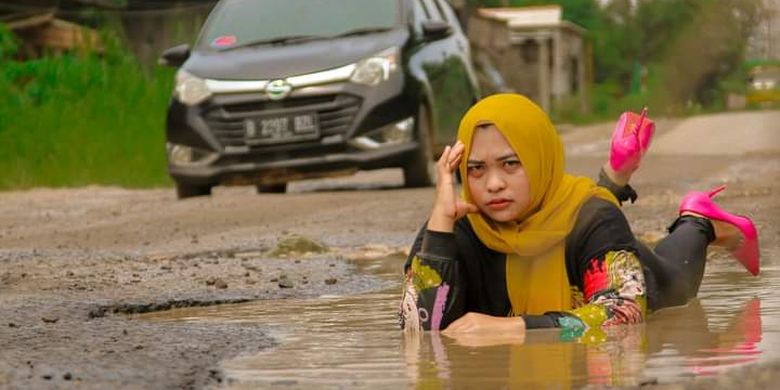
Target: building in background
{"points": [[41, 32], [763, 55], [147, 26], [765, 42], [534, 51]]}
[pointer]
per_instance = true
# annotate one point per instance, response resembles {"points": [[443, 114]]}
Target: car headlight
{"points": [[392, 134], [377, 68], [190, 89], [184, 155]]}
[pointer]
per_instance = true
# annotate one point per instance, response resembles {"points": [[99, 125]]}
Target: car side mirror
{"points": [[436, 29], [175, 56]]}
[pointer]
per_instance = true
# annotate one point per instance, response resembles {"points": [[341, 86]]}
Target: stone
{"points": [[297, 244], [285, 282]]}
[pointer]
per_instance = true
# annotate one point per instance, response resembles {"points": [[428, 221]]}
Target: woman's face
{"points": [[496, 178]]}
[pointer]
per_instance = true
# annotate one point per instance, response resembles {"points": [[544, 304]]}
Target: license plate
{"points": [[282, 128]]}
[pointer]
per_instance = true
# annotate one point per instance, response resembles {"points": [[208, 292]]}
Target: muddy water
{"points": [[354, 341]]}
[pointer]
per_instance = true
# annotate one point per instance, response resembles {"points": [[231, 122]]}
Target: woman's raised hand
{"points": [[448, 207]]}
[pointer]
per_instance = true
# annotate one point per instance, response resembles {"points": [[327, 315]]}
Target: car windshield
{"points": [[238, 23]]}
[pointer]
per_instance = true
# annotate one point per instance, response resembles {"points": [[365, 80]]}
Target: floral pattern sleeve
{"points": [[614, 292], [432, 288]]}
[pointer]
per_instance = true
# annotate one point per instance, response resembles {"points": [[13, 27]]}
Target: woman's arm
{"points": [[432, 292], [614, 290], [605, 267], [602, 263], [432, 296], [617, 185]]}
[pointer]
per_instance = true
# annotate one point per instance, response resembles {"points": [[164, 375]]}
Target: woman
{"points": [[529, 246]]}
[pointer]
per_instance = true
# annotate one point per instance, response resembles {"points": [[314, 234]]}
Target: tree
{"points": [[709, 49]]}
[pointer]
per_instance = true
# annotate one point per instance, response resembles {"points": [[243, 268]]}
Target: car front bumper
{"points": [[346, 112], [284, 170]]}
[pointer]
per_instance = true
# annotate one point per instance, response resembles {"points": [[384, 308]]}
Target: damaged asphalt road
{"points": [[65, 313], [75, 264]]}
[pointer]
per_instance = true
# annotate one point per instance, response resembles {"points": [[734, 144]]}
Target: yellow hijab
{"points": [[536, 277]]}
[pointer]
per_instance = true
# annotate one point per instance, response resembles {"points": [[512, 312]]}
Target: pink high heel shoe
{"points": [[630, 141], [747, 251]]}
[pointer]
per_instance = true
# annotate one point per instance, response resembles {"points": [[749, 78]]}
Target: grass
{"points": [[81, 118], [608, 100]]}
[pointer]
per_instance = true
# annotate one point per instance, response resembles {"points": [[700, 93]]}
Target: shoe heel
{"points": [[747, 252], [715, 191]]}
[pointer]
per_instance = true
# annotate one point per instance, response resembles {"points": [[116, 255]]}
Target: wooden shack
{"points": [[42, 32]]}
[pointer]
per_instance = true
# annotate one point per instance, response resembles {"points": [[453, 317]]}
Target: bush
{"points": [[81, 118]]}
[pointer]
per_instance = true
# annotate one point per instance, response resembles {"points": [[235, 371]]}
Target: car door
{"points": [[460, 67], [450, 79], [433, 65]]}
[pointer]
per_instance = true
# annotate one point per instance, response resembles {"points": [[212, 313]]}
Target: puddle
{"points": [[354, 341]]}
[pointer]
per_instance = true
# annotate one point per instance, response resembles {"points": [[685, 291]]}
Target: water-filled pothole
{"points": [[354, 341]]}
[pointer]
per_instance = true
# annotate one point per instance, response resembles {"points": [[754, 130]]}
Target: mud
{"points": [[75, 262]]}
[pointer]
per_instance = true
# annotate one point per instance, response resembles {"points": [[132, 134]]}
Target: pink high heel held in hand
{"points": [[747, 251], [630, 141]]}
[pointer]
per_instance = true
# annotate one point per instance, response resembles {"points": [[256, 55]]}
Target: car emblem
{"points": [[278, 89]]}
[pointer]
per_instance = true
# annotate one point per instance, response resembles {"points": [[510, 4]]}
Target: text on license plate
{"points": [[283, 128]]}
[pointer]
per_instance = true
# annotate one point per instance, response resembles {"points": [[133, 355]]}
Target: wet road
{"points": [[73, 262], [353, 341]]}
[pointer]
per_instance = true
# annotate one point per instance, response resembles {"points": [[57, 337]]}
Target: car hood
{"points": [[267, 62]]}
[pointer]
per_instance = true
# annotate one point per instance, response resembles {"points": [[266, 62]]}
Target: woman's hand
{"points": [[482, 323], [488, 339], [448, 207]]}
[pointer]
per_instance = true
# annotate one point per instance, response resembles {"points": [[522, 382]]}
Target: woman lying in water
{"points": [[529, 246]]}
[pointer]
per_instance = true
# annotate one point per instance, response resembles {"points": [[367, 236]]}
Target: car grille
{"points": [[335, 114]]}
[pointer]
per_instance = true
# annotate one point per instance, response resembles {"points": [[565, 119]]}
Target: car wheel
{"points": [[184, 191], [272, 188], [420, 170]]}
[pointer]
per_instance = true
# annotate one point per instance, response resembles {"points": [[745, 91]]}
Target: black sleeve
{"points": [[432, 245], [600, 227], [546, 320], [416, 245], [433, 292], [621, 193]]}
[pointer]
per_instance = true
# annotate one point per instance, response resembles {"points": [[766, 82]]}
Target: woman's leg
{"points": [[677, 262], [622, 190]]}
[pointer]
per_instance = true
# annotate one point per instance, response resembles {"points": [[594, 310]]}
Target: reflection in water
{"points": [[354, 342], [616, 356], [704, 351], [542, 361]]}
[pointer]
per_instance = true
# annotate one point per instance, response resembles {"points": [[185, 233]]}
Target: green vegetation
{"points": [[677, 56], [81, 118]]}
